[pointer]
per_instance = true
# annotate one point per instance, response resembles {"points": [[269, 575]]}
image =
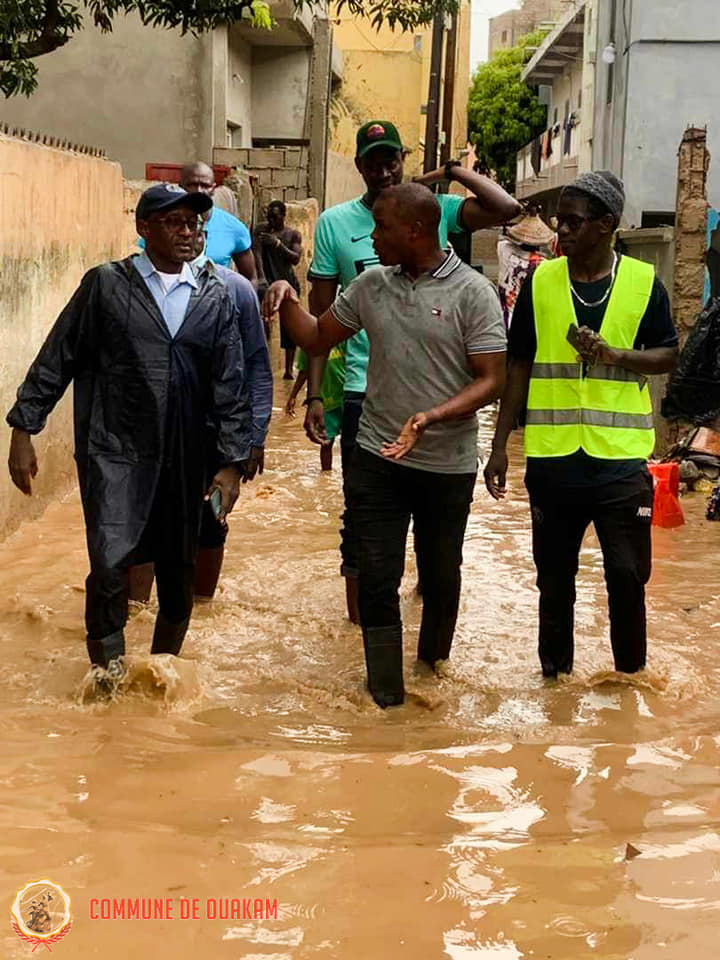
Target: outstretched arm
{"points": [[490, 205], [316, 335]]}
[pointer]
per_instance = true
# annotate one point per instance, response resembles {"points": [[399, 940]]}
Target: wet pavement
{"points": [[489, 817]]}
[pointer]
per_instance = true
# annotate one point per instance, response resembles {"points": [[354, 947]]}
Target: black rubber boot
{"points": [[383, 656], [168, 637], [102, 651]]}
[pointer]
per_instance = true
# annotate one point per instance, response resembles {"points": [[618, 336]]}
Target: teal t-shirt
{"points": [[344, 249]]}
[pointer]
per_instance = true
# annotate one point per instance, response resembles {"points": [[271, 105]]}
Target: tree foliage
{"points": [[30, 28], [504, 114]]}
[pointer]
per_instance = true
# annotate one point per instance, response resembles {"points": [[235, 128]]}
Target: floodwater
{"points": [[494, 816]]}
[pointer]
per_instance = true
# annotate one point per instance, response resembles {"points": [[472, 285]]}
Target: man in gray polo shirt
{"points": [[437, 354]]}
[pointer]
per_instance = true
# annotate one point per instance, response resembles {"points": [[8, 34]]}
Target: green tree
{"points": [[504, 113], [30, 28]]}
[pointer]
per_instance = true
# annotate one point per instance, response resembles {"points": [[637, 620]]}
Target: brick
{"points": [[293, 158], [285, 178], [230, 156], [265, 158]]}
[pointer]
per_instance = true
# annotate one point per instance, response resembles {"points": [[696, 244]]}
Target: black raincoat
{"points": [[142, 403]]}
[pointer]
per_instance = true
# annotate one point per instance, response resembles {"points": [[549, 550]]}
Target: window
{"points": [[233, 135], [579, 99], [555, 116], [504, 36]]}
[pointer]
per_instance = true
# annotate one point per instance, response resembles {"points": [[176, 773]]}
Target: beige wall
{"points": [[386, 76], [385, 85], [143, 95], [343, 180], [240, 82], [279, 93], [63, 213]]}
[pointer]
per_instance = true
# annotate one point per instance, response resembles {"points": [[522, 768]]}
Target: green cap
{"points": [[377, 133]]}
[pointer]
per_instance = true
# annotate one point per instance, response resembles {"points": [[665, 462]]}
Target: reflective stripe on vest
{"points": [[607, 412]]}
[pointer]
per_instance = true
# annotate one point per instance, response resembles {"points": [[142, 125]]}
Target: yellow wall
{"points": [[386, 76], [63, 214]]}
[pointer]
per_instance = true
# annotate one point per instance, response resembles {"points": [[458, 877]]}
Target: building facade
{"points": [[628, 77], [507, 28], [152, 96], [386, 75]]}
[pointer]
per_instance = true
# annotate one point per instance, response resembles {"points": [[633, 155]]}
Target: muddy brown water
{"points": [[489, 817]]}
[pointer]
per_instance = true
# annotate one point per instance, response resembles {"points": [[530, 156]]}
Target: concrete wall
{"points": [[68, 212], [386, 76], [240, 89], [279, 92], [343, 180], [656, 90], [506, 29], [143, 95], [384, 85]]}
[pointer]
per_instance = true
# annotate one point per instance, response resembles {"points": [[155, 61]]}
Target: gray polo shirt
{"points": [[421, 333]]}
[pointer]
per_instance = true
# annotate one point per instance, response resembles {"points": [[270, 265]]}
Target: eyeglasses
{"points": [[175, 223], [573, 220]]}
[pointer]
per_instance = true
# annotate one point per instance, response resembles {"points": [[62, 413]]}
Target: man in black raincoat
{"points": [[154, 353]]}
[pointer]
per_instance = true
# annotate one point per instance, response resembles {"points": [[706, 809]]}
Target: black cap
{"points": [[166, 196]]}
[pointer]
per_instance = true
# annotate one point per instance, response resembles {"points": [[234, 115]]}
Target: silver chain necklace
{"points": [[602, 299]]}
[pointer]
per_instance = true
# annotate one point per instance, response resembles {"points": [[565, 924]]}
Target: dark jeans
{"points": [[384, 496], [621, 512], [352, 409]]}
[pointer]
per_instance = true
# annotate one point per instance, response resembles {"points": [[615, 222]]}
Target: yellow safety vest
{"points": [[607, 412]]}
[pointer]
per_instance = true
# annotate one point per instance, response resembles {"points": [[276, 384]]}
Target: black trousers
{"points": [[384, 497], [621, 512], [106, 603], [352, 410]]}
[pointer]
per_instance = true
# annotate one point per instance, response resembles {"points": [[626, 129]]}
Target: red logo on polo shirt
{"points": [[376, 132], [436, 312]]}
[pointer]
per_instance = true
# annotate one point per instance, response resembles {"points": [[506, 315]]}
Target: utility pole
{"points": [[449, 90], [433, 102]]}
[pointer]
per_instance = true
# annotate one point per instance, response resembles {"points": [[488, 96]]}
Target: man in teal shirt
{"points": [[343, 248]]}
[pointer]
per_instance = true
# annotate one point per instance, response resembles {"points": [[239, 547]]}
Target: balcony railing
{"points": [[540, 169]]}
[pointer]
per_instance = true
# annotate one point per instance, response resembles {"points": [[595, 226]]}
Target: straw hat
{"points": [[532, 230]]}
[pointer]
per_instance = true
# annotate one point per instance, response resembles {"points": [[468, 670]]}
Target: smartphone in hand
{"points": [[216, 503], [572, 336]]}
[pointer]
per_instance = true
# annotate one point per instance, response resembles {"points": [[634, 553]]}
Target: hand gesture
{"points": [[409, 436], [277, 293], [290, 405]]}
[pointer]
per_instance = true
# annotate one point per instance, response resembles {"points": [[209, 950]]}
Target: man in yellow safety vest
{"points": [[588, 330]]}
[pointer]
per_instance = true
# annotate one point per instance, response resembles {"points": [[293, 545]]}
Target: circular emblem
{"points": [[41, 913], [376, 132]]}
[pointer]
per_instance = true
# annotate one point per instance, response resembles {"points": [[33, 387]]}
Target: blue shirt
{"points": [[344, 249], [226, 235], [258, 373], [172, 303]]}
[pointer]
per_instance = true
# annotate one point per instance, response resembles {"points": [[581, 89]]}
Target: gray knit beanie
{"points": [[604, 186]]}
